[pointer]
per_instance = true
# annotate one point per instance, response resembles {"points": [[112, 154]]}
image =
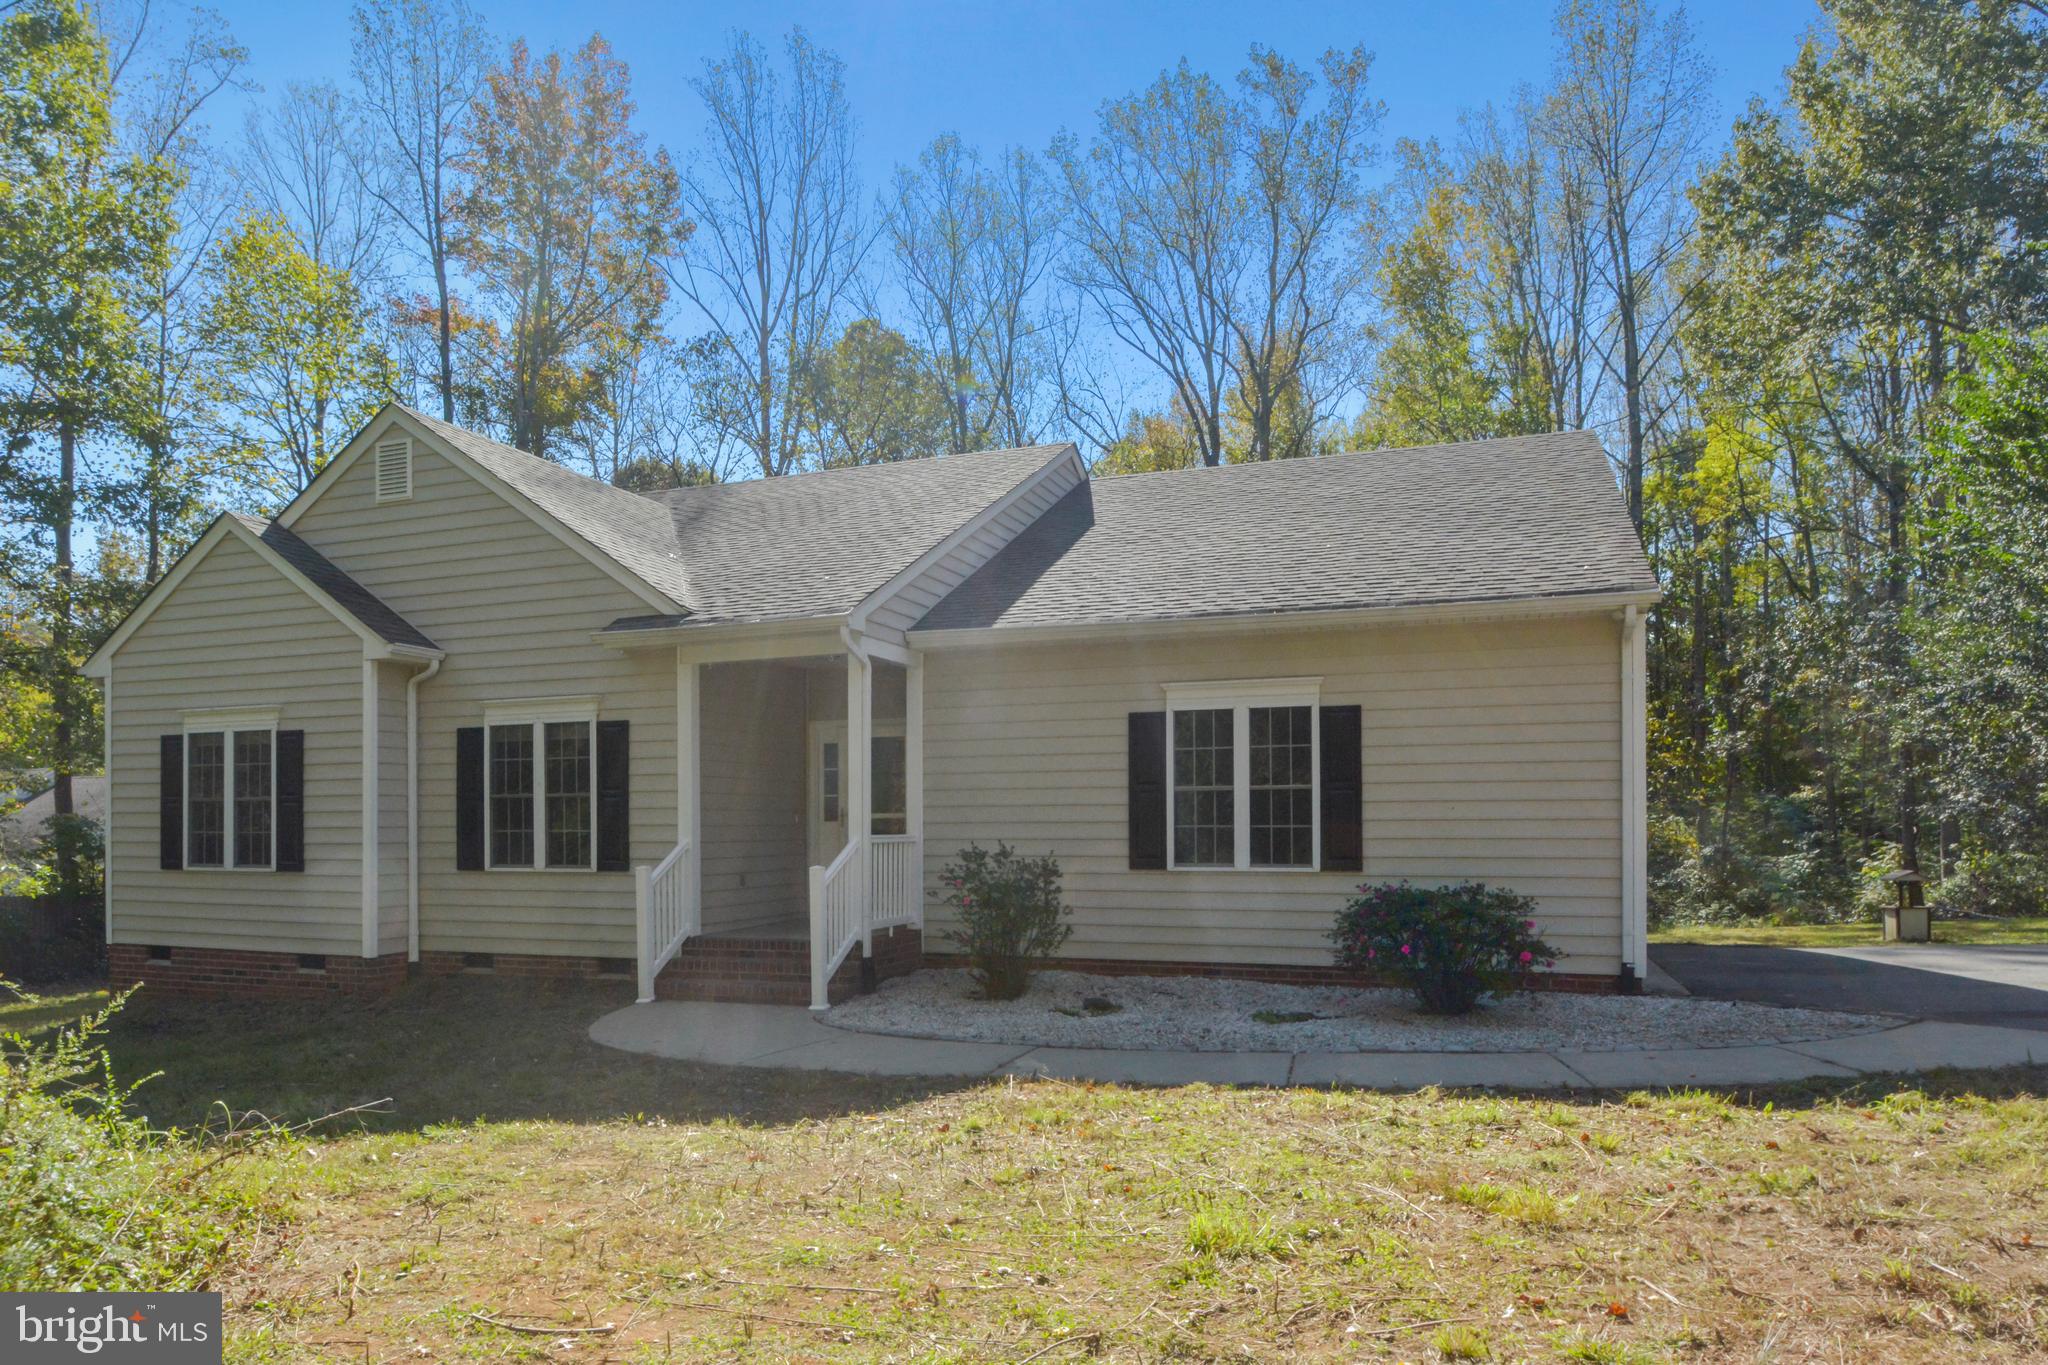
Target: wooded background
{"points": [[1809, 342]]}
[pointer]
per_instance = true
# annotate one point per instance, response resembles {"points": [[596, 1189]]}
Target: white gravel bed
{"points": [[1211, 1015]]}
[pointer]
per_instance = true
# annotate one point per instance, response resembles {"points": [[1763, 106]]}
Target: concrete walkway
{"points": [[783, 1036]]}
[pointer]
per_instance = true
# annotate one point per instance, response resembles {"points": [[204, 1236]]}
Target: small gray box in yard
{"points": [[167, 1329]]}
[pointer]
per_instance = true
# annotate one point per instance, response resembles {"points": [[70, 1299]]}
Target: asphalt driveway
{"points": [[1975, 984]]}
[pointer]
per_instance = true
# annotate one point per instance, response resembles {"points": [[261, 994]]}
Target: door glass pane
{"points": [[510, 764], [892, 794], [828, 778], [206, 787], [1204, 795], [252, 798], [568, 793]]}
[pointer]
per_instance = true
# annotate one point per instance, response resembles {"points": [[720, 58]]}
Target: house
{"points": [[460, 707]]}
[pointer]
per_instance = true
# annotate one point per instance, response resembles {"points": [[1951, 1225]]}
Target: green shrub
{"points": [[1010, 914], [89, 1197], [1451, 945], [1987, 883]]}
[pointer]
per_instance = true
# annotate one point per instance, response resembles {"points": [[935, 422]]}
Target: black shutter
{"points": [[291, 801], [614, 796], [1148, 790], [170, 803], [1343, 804], [469, 798]]}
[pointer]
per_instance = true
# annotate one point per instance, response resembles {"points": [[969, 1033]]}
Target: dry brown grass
{"points": [[1043, 1221]]}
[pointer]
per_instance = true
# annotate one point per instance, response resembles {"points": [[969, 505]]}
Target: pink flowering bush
{"points": [[1451, 945], [1008, 913]]}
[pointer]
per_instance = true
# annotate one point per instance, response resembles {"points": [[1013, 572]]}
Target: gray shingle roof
{"points": [[819, 544], [351, 596], [631, 530], [1517, 518], [801, 546]]}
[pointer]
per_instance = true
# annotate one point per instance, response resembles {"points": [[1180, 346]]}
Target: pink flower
{"points": [[1528, 957], [1370, 954], [1529, 924], [1405, 951]]}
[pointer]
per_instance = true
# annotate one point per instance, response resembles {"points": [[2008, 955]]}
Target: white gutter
{"points": [[412, 808]]}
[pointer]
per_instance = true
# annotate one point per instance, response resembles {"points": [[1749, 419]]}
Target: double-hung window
{"points": [[231, 789], [540, 780], [1243, 774]]}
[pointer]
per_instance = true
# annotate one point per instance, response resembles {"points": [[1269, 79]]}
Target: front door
{"points": [[825, 779]]}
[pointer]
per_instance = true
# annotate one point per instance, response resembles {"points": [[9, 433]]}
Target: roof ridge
{"points": [[783, 480], [1306, 460]]}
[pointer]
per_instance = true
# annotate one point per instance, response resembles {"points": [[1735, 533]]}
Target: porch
{"points": [[797, 873]]}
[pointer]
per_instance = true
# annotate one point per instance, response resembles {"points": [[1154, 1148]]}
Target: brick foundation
{"points": [[1568, 982], [528, 966], [229, 973]]}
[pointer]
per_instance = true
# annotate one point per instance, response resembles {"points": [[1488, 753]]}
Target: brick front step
{"points": [[777, 971]]}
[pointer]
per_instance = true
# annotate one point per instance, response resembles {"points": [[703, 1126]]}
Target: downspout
{"points": [[412, 808]]}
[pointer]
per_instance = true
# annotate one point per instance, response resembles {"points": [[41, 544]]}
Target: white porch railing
{"points": [[895, 881], [664, 913], [835, 918]]}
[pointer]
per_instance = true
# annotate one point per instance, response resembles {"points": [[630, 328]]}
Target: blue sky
{"points": [[1015, 73]]}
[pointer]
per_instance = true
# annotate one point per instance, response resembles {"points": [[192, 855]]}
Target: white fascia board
{"points": [[393, 416], [1068, 457], [989, 637]]}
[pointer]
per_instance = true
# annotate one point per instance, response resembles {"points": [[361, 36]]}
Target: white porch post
{"points": [[689, 783], [913, 777], [860, 710]]}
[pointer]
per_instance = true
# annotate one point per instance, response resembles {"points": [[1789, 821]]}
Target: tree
{"points": [[566, 224], [420, 65], [971, 249], [873, 401], [79, 223], [292, 364], [779, 240], [1212, 233], [1151, 442], [1630, 110], [303, 167]]}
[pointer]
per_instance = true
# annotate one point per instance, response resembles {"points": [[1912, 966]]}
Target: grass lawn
{"points": [[531, 1196], [2026, 929]]}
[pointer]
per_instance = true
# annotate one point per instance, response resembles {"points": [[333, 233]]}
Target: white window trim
{"points": [[227, 724], [538, 713], [1239, 698]]}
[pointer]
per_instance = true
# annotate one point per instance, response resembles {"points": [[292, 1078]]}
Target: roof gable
{"points": [[383, 631]]}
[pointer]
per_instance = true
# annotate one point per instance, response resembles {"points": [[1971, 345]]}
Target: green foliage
{"points": [[872, 400], [1011, 916], [294, 369], [1991, 883], [90, 1198], [1451, 945]]}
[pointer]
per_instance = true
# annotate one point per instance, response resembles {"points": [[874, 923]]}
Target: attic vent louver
{"points": [[394, 470]]}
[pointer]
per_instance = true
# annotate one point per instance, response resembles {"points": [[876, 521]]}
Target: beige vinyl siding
{"points": [[514, 608], [907, 606], [1492, 752], [236, 633], [391, 827], [754, 867]]}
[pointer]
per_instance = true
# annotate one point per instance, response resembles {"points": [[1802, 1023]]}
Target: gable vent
{"points": [[394, 470]]}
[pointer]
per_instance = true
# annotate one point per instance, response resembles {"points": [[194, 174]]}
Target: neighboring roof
{"points": [[351, 596], [819, 544], [629, 529], [21, 829], [1505, 520]]}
